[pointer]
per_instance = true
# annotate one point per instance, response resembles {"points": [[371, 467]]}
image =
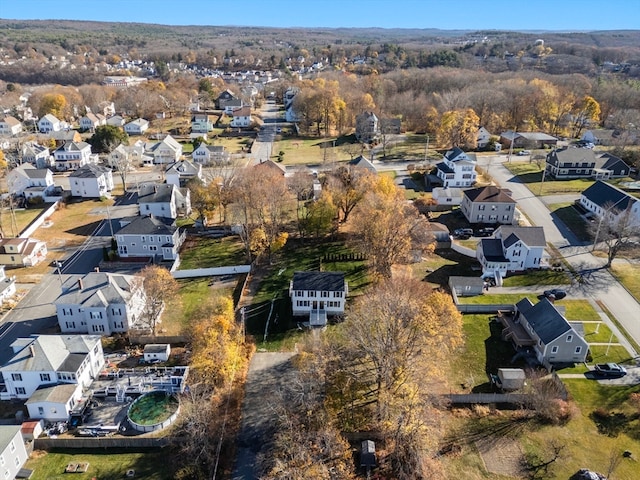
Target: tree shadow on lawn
{"points": [[84, 230], [527, 178], [498, 354]]}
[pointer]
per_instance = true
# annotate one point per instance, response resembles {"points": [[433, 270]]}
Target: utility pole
{"points": [[426, 151]]}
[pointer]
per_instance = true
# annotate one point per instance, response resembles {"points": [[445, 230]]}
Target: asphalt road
{"points": [[596, 281]]}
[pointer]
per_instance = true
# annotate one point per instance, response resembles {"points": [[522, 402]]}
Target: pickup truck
{"points": [[610, 370]]}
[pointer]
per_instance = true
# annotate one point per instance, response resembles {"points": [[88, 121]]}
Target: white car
{"points": [[522, 153]]}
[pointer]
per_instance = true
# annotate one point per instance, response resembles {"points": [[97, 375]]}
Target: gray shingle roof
{"points": [[544, 318], [530, 236], [149, 225], [489, 194], [55, 394], [89, 171], [156, 192], [98, 289], [7, 434], [50, 352], [319, 281]]}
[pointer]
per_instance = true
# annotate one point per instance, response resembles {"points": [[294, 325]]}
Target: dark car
{"points": [[556, 293], [485, 232], [610, 370]]}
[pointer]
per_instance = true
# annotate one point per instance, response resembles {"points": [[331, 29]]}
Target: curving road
{"points": [[597, 282]]}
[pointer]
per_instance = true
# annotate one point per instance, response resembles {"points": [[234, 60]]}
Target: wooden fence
{"points": [[485, 398], [101, 442]]}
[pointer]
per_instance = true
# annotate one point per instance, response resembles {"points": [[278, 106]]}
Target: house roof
{"points": [[319, 281], [96, 289], [574, 155], [456, 281], [454, 153], [489, 194], [271, 165], [73, 147], [362, 162], [537, 136], [11, 121], [607, 161], [244, 111], [156, 192], [183, 168], [149, 225], [54, 394], [156, 347], [90, 171], [544, 318], [42, 353], [492, 249], [141, 122], [442, 166], [530, 236], [51, 118], [603, 193], [7, 434]]}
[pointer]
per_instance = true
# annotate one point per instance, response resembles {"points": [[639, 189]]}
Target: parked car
{"points": [[610, 370], [556, 293], [463, 232], [522, 153], [485, 232]]}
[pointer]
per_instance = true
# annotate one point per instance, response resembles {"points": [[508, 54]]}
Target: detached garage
{"points": [[157, 352]]}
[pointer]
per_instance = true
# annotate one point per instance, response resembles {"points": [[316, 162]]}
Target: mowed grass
{"points": [[572, 219], [23, 217], [103, 464], [309, 150], [444, 263], [537, 277], [203, 252], [629, 275], [531, 175]]}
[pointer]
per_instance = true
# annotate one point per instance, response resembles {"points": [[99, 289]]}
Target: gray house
{"points": [[568, 163], [544, 330], [149, 236], [488, 205]]}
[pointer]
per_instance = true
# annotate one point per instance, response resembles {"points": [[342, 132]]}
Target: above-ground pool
{"points": [[153, 411]]}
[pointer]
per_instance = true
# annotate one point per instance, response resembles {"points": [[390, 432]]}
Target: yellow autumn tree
{"points": [[53, 103]]}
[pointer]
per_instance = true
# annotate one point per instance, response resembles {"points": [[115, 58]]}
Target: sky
{"points": [[559, 15]]}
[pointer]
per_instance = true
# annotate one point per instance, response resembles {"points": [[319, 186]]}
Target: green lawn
{"points": [[203, 252], [616, 353], [572, 219], [597, 333], [537, 277], [578, 310], [103, 464], [497, 298], [309, 150], [629, 275], [23, 217], [531, 174], [442, 264]]}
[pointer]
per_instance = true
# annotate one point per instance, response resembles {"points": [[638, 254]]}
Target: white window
{"points": [[578, 349], [554, 349], [45, 377], [12, 446], [16, 377], [569, 338]]}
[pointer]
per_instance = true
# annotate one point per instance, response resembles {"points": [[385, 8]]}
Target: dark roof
{"points": [[453, 153], [544, 318], [602, 193], [530, 236], [442, 166], [149, 225], [89, 171], [319, 281], [609, 162], [489, 194], [492, 249], [156, 192]]}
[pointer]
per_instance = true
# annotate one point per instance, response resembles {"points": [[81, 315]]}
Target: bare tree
{"points": [[159, 288], [615, 231]]}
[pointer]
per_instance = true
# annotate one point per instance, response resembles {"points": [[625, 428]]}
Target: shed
{"points": [[368, 454], [511, 379], [32, 429], [157, 352], [466, 286]]}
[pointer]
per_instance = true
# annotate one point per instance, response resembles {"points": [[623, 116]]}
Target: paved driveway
{"points": [[268, 373]]}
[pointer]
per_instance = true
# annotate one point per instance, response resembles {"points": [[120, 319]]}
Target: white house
{"points": [[100, 303], [457, 169], [91, 121], [37, 155], [512, 249], [603, 199], [73, 155], [367, 127], [91, 181], [10, 126], [47, 360], [241, 117], [168, 150], [7, 286], [49, 123], [137, 126], [116, 121], [156, 352], [447, 196], [147, 236], [208, 154], [22, 251], [129, 155], [181, 172], [54, 403], [483, 137], [318, 295], [201, 123], [164, 200], [30, 181], [13, 454]]}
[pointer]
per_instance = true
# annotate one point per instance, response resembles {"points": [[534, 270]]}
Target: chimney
{"points": [[32, 350], [79, 284], [97, 269]]}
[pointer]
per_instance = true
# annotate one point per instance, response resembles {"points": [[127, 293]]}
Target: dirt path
{"points": [[502, 456], [268, 372]]}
